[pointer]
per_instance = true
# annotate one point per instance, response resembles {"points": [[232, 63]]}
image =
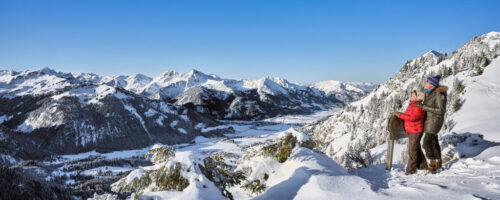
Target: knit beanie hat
{"points": [[434, 80]]}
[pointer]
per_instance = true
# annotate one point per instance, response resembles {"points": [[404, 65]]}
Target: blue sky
{"points": [[303, 41]]}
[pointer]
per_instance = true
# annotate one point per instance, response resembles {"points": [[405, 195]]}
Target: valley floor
{"points": [[311, 175]]}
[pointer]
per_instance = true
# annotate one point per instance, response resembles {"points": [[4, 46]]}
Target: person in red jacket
{"points": [[414, 125]]}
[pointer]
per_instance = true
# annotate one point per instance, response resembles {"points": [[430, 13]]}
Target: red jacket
{"points": [[414, 118]]}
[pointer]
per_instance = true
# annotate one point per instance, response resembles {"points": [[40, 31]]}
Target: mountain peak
{"points": [[196, 72], [492, 34], [168, 73], [48, 70], [432, 53], [435, 53], [140, 76]]}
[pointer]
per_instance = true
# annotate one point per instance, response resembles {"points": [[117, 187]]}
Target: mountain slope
{"points": [[361, 125], [247, 99], [208, 94], [344, 91], [70, 113], [61, 113], [481, 107]]}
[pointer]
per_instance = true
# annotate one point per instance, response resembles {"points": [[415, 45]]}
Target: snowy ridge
{"points": [[332, 86], [344, 91], [362, 124], [231, 99], [68, 113], [29, 83], [303, 174]]}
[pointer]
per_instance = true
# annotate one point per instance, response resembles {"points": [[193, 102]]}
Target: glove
{"points": [[396, 114], [419, 104]]}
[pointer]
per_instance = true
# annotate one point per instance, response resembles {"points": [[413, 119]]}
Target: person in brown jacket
{"points": [[435, 106]]}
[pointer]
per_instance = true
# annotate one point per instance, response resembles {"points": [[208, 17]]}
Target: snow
{"points": [[48, 116], [184, 117], [469, 178], [113, 170], [104, 197], [136, 82], [9, 159], [208, 129], [25, 128], [174, 123], [368, 116], [200, 126], [134, 174], [91, 94], [4, 118], [492, 39], [150, 113], [380, 152], [159, 121], [182, 130], [29, 83], [308, 174], [299, 135], [134, 112], [472, 174], [334, 86], [110, 155], [480, 112], [201, 139], [303, 119], [171, 84]]}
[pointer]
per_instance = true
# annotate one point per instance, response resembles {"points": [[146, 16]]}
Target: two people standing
{"points": [[425, 117]]}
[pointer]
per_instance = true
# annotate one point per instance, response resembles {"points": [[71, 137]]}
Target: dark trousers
{"points": [[416, 157], [431, 146]]}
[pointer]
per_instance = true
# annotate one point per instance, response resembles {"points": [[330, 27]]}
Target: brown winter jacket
{"points": [[435, 106]]}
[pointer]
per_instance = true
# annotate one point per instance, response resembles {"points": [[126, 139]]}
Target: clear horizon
{"points": [[301, 41]]}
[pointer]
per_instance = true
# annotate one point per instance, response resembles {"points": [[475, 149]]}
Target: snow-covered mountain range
{"points": [[75, 112], [243, 99], [262, 159], [468, 72]]}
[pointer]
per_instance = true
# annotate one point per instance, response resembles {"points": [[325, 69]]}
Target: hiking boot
{"points": [[423, 166], [439, 164], [409, 173], [432, 167]]}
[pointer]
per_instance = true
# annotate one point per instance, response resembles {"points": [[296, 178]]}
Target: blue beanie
{"points": [[434, 80]]}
